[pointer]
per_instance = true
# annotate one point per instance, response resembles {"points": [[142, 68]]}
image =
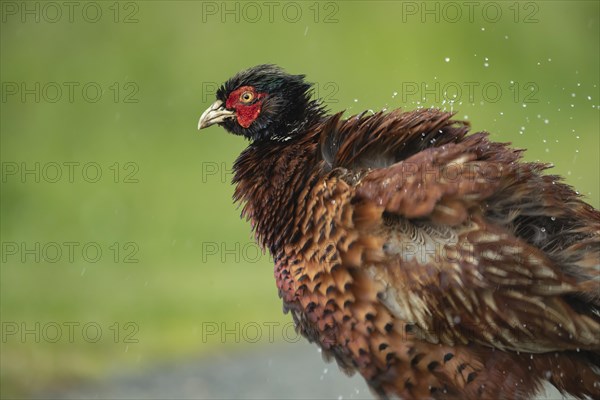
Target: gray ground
{"points": [[277, 371]]}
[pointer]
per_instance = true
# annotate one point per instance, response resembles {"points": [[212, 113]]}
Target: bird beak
{"points": [[214, 114]]}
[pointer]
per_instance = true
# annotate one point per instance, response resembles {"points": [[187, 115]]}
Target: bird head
{"points": [[261, 103]]}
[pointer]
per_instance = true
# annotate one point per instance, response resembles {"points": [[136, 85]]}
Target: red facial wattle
{"points": [[246, 112]]}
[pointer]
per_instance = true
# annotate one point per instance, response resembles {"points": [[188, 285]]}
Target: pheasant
{"points": [[431, 260]]}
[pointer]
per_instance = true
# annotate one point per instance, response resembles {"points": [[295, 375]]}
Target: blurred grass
{"points": [[175, 208]]}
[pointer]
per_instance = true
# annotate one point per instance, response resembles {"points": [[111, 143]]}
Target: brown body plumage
{"points": [[434, 262]]}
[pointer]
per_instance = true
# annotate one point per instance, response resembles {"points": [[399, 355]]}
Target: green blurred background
{"points": [[164, 198]]}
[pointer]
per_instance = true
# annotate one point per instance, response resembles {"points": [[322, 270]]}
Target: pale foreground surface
{"points": [[277, 371]]}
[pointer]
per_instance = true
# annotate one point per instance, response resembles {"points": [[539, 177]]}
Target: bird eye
{"points": [[247, 97]]}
